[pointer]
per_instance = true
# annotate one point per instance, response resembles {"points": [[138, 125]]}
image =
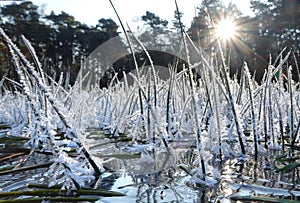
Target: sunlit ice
{"points": [[226, 29]]}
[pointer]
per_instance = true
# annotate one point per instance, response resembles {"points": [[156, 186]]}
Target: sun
{"points": [[226, 29]]}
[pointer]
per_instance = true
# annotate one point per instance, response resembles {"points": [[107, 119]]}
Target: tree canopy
{"points": [[60, 41], [258, 39]]}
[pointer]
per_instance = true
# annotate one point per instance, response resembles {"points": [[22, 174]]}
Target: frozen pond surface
{"points": [[164, 177]]}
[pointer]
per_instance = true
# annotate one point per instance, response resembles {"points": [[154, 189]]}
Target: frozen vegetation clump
{"points": [[50, 117]]}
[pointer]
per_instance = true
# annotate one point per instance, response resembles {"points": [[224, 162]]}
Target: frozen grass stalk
{"points": [[253, 120], [193, 95], [231, 101], [133, 55], [291, 118], [230, 97]]}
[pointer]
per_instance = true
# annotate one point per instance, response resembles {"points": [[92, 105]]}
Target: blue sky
{"points": [[90, 11]]}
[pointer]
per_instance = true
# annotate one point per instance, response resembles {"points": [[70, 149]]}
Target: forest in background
{"points": [[62, 43]]}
